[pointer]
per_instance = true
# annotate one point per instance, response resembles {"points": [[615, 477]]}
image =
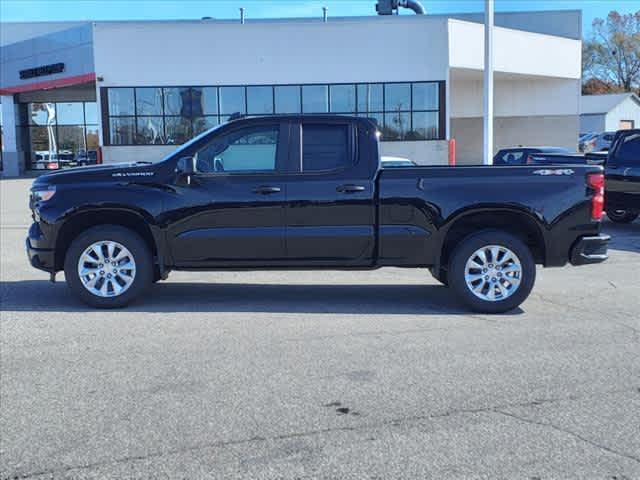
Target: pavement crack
{"points": [[570, 433]]}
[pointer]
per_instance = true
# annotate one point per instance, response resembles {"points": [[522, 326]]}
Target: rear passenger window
{"points": [[325, 147], [629, 151]]}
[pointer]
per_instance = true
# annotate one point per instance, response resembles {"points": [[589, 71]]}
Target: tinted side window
{"points": [[629, 151], [512, 158], [325, 147], [243, 151]]}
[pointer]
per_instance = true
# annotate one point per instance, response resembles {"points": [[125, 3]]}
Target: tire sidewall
{"points": [[129, 239], [471, 244]]}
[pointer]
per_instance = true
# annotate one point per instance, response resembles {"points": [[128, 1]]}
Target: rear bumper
{"points": [[592, 249]]}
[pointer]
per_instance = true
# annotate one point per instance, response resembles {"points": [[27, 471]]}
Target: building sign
{"points": [[42, 71]]}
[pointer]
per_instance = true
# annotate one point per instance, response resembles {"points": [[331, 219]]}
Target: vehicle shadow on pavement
{"points": [[624, 237], [249, 297]]}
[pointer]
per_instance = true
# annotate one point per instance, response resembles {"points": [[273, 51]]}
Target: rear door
{"points": [[623, 172], [330, 214]]}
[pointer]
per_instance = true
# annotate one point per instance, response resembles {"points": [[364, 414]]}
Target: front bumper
{"points": [[39, 257], [592, 249]]}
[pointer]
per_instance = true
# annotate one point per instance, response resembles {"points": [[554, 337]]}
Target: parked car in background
{"points": [[585, 143], [622, 177], [45, 160], [599, 143], [520, 155], [307, 191], [386, 162]]}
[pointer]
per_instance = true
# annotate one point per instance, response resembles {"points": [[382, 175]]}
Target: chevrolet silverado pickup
{"points": [[309, 192]]}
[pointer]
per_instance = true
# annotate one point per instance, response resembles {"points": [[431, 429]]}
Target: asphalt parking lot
{"points": [[319, 375]]}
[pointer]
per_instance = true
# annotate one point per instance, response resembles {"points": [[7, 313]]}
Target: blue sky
{"points": [[47, 10]]}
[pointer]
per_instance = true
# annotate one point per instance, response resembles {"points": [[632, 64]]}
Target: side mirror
{"points": [[185, 168]]}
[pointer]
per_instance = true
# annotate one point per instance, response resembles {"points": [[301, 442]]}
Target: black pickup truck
{"points": [[308, 192]]}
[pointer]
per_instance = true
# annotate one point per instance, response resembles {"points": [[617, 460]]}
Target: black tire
{"points": [[622, 216], [127, 238], [440, 275], [464, 252]]}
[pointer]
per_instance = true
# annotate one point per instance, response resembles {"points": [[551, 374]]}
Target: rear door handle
{"points": [[266, 190], [350, 188]]}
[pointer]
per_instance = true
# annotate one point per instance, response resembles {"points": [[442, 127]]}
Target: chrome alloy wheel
{"points": [[493, 273], [107, 269]]}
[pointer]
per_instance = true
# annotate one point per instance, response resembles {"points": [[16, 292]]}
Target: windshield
{"points": [[195, 139]]}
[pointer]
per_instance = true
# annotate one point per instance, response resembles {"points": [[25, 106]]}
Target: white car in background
{"points": [[387, 161]]}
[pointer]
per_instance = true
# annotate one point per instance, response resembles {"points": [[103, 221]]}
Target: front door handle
{"points": [[350, 188], [266, 190]]}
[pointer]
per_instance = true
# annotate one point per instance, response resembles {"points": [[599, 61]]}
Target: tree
{"points": [[611, 58]]}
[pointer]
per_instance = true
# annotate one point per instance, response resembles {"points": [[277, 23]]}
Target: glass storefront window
{"points": [[315, 98], [41, 113], [259, 100], [425, 96], [177, 130], [287, 98], [70, 113], [232, 100], [425, 126], [370, 97], [121, 101], [397, 97], [90, 112], [205, 101], [343, 98], [202, 124], [122, 130], [177, 101], [150, 131], [396, 126], [148, 101]]}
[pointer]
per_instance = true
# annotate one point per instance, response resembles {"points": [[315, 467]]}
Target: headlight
{"points": [[43, 194]]}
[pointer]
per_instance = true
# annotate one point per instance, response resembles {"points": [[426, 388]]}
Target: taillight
{"points": [[52, 166], [596, 181]]}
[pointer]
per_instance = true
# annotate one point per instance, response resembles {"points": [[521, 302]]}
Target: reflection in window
{"points": [[425, 126], [177, 130], [370, 97], [121, 101], [202, 124], [343, 98], [315, 99], [149, 130], [148, 101], [247, 150], [177, 101], [397, 97], [70, 140], [90, 112], [122, 130], [396, 126], [204, 101], [41, 113], [232, 100], [259, 100], [92, 137], [287, 98], [70, 113], [425, 96], [43, 146], [324, 147]]}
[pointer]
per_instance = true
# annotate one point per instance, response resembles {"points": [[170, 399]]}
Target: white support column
{"points": [[10, 154], [488, 83]]}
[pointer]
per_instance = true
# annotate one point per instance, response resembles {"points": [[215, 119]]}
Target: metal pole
{"points": [[488, 82], [242, 15], [324, 14]]}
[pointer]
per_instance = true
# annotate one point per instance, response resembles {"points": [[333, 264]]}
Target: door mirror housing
{"points": [[185, 168]]}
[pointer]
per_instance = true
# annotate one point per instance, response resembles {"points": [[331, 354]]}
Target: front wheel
{"points": [[492, 271], [108, 266], [621, 216]]}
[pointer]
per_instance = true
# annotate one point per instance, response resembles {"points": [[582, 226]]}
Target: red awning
{"points": [[48, 84]]}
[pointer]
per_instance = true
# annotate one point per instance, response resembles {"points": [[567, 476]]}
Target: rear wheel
{"points": [[492, 271], [108, 266], [621, 216]]}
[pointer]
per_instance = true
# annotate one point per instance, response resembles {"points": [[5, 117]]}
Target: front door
{"points": [[232, 213], [330, 196]]}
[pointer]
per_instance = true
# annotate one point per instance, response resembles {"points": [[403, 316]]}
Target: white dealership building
{"points": [[133, 90]]}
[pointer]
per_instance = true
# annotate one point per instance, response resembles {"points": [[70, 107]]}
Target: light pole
{"points": [[488, 82]]}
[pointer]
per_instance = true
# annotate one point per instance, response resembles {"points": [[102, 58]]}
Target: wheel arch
{"points": [[79, 222], [516, 222]]}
